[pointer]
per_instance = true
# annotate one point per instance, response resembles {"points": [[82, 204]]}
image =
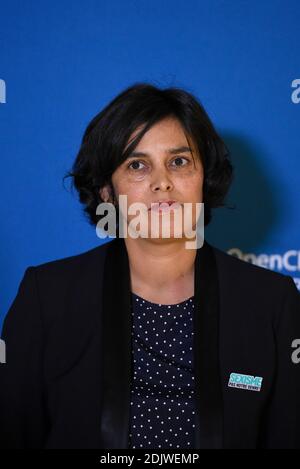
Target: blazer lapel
{"points": [[208, 388], [116, 349]]}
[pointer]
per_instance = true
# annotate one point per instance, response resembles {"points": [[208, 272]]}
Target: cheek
{"points": [[192, 188], [134, 192], [121, 185]]}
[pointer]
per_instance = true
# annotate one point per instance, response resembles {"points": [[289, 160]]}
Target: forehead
{"points": [[165, 133]]}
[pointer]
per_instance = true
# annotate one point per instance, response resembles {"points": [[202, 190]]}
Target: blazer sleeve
{"points": [[281, 425], [22, 410]]}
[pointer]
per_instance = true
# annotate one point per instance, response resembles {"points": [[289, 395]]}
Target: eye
{"points": [[135, 163], [178, 158]]}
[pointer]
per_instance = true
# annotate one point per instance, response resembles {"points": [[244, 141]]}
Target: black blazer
{"points": [[66, 380]]}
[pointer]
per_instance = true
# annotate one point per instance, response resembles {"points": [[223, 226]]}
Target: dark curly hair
{"points": [[107, 134]]}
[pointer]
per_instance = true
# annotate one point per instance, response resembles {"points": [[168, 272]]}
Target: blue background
{"points": [[63, 61]]}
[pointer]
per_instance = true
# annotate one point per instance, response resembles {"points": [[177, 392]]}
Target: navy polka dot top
{"points": [[162, 407]]}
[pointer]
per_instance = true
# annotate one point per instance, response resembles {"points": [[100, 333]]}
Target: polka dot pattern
{"points": [[162, 407]]}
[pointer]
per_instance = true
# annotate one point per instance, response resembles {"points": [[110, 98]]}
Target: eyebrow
{"points": [[172, 151]]}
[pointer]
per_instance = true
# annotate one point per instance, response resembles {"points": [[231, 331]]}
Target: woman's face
{"points": [[161, 167]]}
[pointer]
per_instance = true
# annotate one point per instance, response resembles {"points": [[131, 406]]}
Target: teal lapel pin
{"points": [[251, 383]]}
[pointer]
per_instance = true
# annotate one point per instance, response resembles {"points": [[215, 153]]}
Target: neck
{"points": [[165, 267]]}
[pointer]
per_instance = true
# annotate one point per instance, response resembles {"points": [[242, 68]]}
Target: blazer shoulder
{"points": [[242, 269], [264, 290], [91, 258]]}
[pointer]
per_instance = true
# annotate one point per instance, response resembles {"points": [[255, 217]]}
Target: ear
{"points": [[106, 193]]}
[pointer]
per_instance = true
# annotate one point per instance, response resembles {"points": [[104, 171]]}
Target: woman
{"points": [[142, 342]]}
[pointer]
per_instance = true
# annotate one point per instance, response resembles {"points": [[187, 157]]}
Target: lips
{"points": [[164, 205]]}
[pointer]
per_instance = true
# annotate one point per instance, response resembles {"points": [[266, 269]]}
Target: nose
{"points": [[161, 181]]}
